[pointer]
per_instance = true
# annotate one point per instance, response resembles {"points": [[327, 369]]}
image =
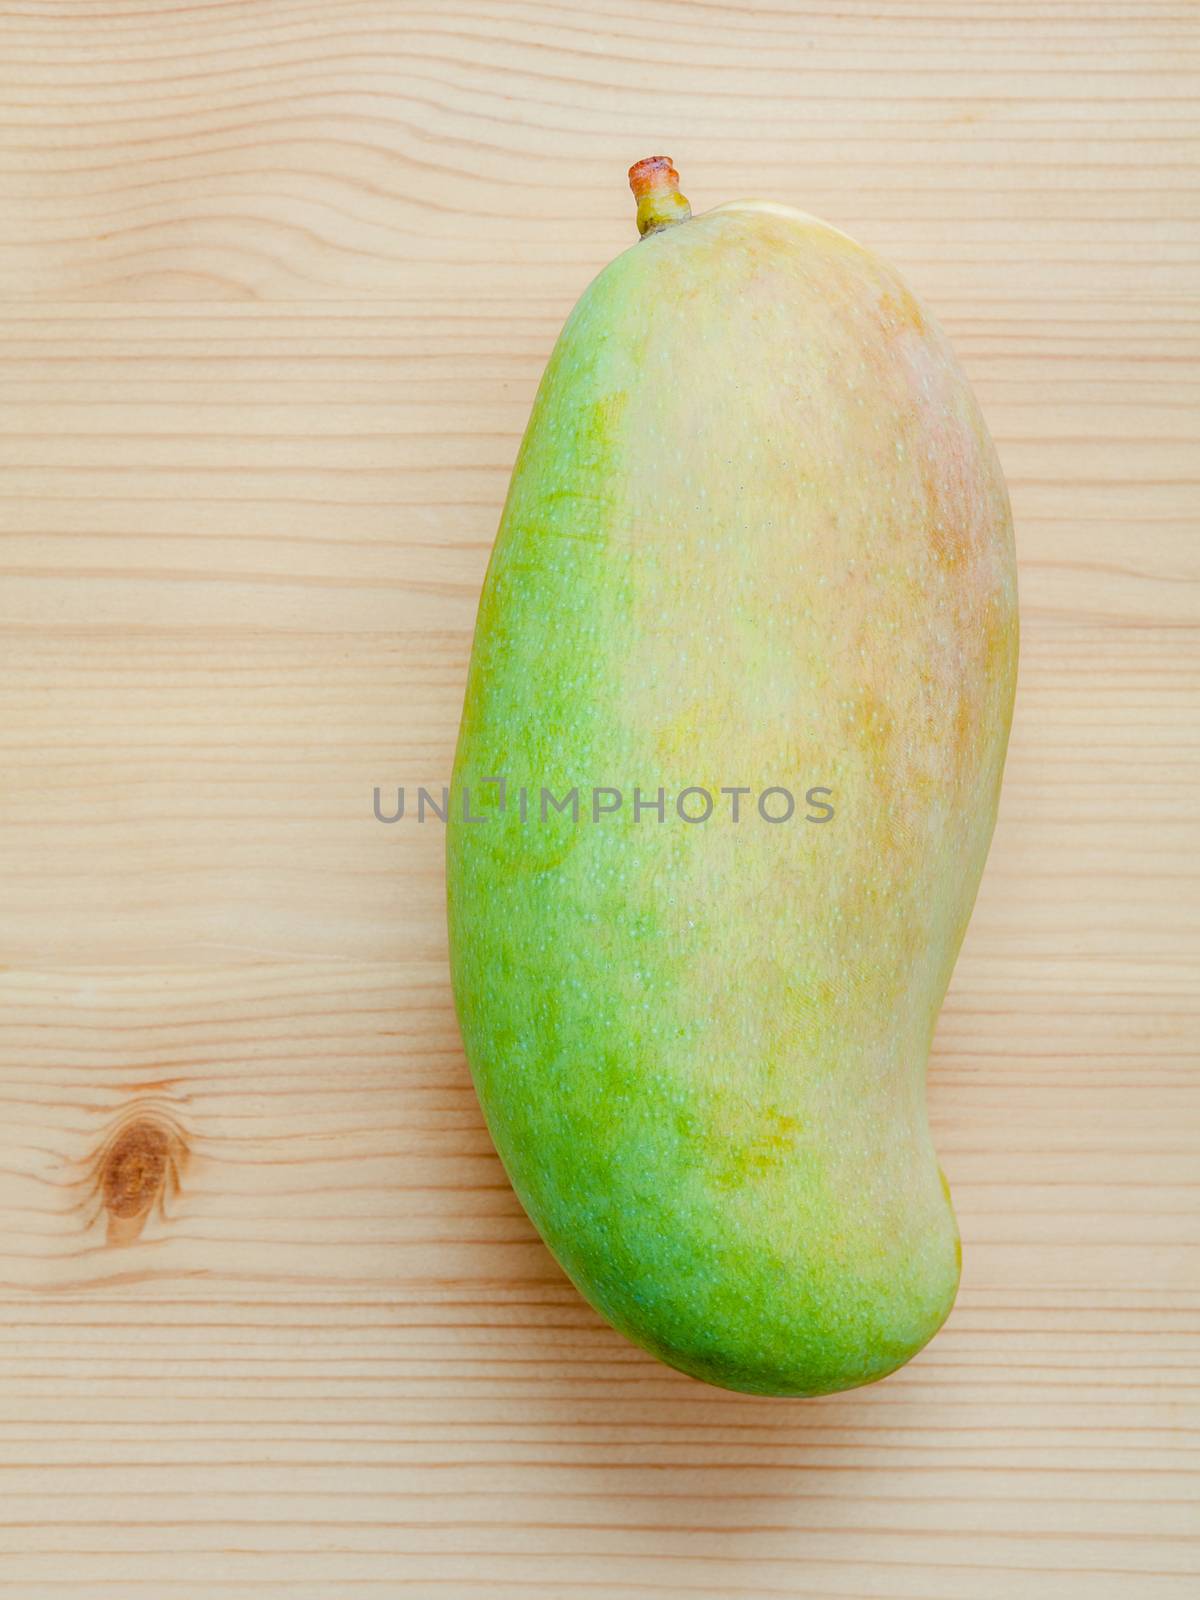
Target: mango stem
{"points": [[655, 185]]}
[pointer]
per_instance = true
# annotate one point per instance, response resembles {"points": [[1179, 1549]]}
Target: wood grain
{"points": [[277, 280]]}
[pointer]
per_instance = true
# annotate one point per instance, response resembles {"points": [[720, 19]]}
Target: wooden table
{"points": [[277, 280]]}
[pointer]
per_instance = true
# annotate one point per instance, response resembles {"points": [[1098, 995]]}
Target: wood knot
{"points": [[136, 1170]]}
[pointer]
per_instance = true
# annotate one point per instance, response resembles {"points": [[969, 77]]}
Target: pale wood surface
{"points": [[276, 284]]}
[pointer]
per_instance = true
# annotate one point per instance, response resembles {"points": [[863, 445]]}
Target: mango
{"points": [[757, 548]]}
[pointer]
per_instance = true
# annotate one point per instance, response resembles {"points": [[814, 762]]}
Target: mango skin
{"points": [[757, 534]]}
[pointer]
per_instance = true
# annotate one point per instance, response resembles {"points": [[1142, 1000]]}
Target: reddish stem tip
{"points": [[653, 172]]}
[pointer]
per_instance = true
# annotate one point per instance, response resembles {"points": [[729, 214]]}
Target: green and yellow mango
{"points": [[757, 539]]}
